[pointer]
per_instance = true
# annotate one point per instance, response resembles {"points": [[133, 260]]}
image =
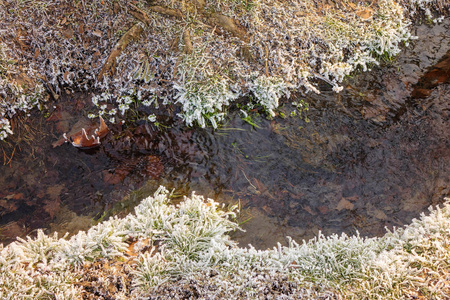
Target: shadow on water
{"points": [[372, 157]]}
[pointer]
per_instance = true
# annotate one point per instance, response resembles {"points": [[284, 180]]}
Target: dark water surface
{"points": [[371, 157]]}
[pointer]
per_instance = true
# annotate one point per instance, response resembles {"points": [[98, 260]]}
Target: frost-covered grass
{"points": [[19, 90], [288, 46], [167, 246], [429, 8], [203, 92]]}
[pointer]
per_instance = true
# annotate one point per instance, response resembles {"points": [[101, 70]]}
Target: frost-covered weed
{"points": [[103, 240], [203, 92], [389, 29], [189, 243], [19, 89], [37, 252], [5, 128], [354, 266], [286, 47], [268, 91], [150, 271], [28, 271], [335, 259], [195, 227], [186, 232]]}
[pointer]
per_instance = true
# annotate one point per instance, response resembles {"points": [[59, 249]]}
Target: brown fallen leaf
{"points": [[97, 33], [18, 196], [12, 230], [68, 33], [344, 204], [365, 14], [7, 206], [380, 215], [117, 176], [309, 210], [36, 53], [268, 210], [154, 166], [52, 206], [260, 187], [81, 28], [136, 247], [323, 209]]}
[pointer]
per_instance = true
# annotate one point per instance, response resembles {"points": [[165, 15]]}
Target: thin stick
{"points": [[12, 154], [249, 180]]}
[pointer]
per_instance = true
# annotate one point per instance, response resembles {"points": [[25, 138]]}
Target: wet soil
{"points": [[374, 156]]}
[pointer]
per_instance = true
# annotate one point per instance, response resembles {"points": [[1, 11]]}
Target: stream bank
{"points": [[370, 157]]}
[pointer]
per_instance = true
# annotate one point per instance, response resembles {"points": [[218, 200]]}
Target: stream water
{"points": [[374, 156]]}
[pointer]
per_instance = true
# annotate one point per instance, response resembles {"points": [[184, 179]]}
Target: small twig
{"points": [[109, 67], [167, 11], [175, 68], [139, 14], [249, 180], [323, 78], [12, 154], [230, 25], [266, 49], [49, 87]]}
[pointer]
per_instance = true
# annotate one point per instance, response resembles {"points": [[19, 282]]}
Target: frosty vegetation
{"points": [[197, 55], [187, 244]]}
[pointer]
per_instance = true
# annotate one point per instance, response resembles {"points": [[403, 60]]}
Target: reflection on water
{"points": [[370, 158]]}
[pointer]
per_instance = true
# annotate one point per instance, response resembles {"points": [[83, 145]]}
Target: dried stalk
{"points": [[167, 11], [109, 67], [187, 42], [139, 14], [228, 24]]}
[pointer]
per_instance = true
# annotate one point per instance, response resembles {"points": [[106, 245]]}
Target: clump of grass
{"points": [[268, 91], [188, 243], [203, 92]]}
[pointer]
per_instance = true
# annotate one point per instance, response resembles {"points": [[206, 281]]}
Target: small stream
{"points": [[374, 156]]}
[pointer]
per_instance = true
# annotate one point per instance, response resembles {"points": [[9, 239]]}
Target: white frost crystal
{"points": [[5, 128]]}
